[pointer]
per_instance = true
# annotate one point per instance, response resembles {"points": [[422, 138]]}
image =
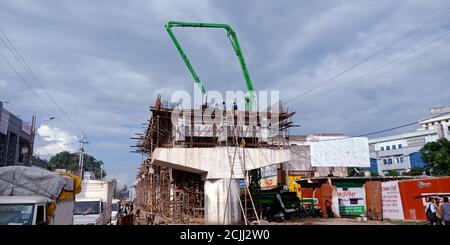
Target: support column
{"points": [[215, 194]]}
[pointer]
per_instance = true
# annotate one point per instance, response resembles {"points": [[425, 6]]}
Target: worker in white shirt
{"points": [[430, 211]]}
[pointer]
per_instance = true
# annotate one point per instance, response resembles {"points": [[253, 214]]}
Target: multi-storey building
{"points": [[401, 152], [15, 136]]}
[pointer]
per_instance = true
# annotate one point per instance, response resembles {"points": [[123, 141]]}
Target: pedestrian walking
{"points": [[430, 211], [437, 205], [328, 207], [445, 208]]}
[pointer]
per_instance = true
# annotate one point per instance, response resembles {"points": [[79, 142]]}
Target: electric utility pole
{"points": [[81, 157], [33, 133]]}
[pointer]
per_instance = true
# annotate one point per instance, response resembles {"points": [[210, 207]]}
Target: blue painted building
{"points": [[373, 165], [400, 152], [415, 160]]}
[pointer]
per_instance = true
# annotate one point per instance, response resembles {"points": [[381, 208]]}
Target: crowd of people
{"points": [[126, 209], [437, 213]]}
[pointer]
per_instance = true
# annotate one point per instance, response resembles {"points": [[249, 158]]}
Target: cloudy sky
{"points": [[104, 62]]}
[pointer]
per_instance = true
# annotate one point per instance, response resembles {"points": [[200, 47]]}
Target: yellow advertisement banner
{"points": [[293, 186]]}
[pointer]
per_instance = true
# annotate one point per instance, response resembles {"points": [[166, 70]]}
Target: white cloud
{"points": [[105, 73], [55, 140]]}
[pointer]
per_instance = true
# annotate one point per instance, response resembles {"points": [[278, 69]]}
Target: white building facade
{"points": [[327, 154], [401, 152]]}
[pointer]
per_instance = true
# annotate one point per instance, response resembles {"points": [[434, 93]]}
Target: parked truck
{"points": [[34, 196], [93, 203]]}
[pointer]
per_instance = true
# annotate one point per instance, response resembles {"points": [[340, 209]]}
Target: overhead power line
{"points": [[385, 130], [384, 65], [390, 45], [8, 44], [26, 82], [49, 109]]}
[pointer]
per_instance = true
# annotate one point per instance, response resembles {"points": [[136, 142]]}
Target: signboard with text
{"points": [[268, 182], [345, 152], [351, 200], [294, 186], [391, 201], [269, 178]]}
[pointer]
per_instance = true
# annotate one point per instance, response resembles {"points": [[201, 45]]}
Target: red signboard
{"points": [[415, 192]]}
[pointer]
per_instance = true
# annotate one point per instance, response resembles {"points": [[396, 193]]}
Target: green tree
{"points": [[115, 192], [124, 193], [36, 161], [392, 173], [374, 174], [414, 172], [436, 156], [69, 161], [356, 172]]}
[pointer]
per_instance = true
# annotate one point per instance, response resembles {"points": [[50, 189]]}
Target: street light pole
{"points": [[32, 137]]}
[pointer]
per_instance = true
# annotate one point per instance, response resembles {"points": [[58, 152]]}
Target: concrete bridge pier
{"points": [[215, 165], [219, 210]]}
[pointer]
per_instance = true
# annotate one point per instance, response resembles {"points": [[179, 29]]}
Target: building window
{"points": [[400, 146], [388, 148], [394, 147], [382, 148], [384, 161], [401, 159], [390, 161]]}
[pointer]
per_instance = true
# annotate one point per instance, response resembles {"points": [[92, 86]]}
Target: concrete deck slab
{"points": [[216, 162]]}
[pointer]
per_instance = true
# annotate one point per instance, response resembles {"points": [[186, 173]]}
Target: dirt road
{"points": [[338, 221]]}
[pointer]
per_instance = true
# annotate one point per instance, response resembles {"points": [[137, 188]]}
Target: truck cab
{"points": [[115, 211], [93, 203], [23, 210], [89, 211]]}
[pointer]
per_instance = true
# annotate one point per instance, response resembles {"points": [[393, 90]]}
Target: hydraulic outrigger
{"points": [[250, 98]]}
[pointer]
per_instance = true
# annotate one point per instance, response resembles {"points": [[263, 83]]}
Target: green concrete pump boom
{"points": [[235, 43]]}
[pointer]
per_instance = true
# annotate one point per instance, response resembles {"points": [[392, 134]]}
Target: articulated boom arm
{"points": [[235, 43]]}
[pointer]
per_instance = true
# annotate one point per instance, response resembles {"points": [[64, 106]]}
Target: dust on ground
{"points": [[338, 221]]}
